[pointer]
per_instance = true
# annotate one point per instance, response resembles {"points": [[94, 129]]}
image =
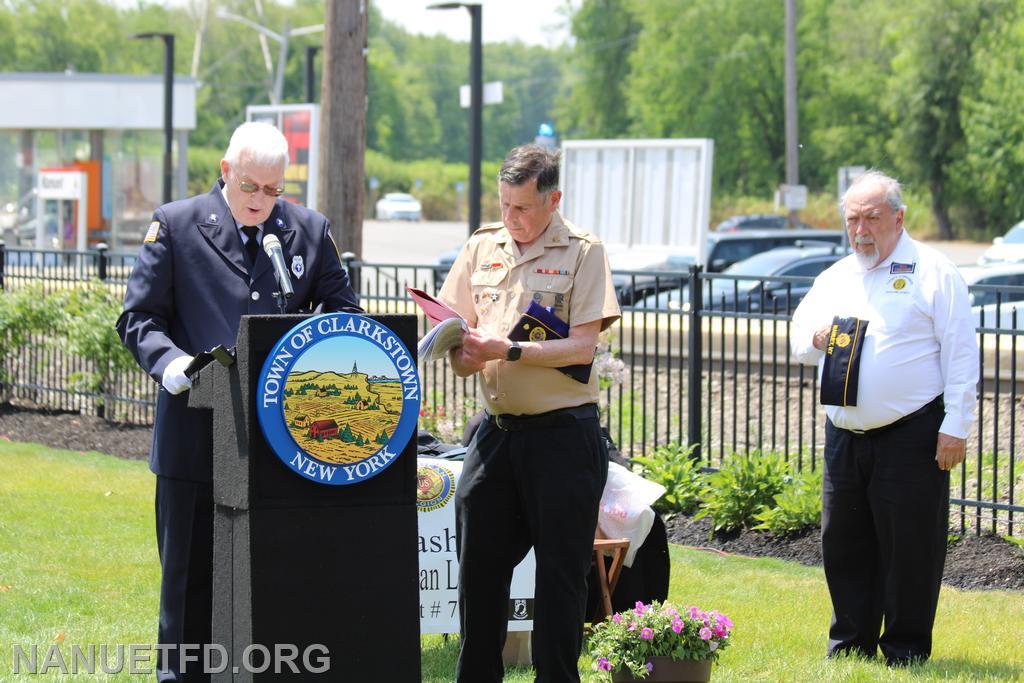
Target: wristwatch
{"points": [[514, 351]]}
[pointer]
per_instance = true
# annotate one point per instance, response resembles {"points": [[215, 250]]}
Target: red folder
{"points": [[432, 308]]}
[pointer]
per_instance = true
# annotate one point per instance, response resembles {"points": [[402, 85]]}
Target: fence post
{"points": [[353, 273], [3, 262], [694, 363], [102, 261]]}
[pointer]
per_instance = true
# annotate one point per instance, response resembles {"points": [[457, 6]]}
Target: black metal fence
{"points": [[688, 363]]}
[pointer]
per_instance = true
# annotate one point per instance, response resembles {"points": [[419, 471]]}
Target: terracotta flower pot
{"points": [[668, 670]]}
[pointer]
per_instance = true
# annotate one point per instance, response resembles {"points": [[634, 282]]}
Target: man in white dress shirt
{"points": [[888, 452]]}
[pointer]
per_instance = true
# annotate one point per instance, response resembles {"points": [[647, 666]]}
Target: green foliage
{"points": [[798, 507], [28, 315], [674, 467], [204, 167], [993, 124], [92, 311], [605, 33], [743, 487], [432, 182]]}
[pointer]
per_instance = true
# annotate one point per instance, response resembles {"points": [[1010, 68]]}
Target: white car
{"points": [[1005, 316], [399, 206], [996, 279], [1006, 249]]}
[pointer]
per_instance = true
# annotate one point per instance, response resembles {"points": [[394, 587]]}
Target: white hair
{"points": [[258, 142], [892, 187]]}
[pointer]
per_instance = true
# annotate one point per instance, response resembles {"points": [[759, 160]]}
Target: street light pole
{"points": [[476, 104], [277, 85], [790, 108], [311, 51], [476, 109], [168, 39]]}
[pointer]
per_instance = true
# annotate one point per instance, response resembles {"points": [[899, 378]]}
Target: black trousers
{"points": [[523, 488], [884, 525], [184, 534]]}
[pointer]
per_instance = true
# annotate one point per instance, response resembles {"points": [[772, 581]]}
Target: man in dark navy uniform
{"points": [[200, 270]]}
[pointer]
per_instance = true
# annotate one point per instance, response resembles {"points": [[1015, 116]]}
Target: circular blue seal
{"points": [[338, 398]]}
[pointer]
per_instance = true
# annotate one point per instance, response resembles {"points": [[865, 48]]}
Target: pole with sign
{"points": [[62, 184]]}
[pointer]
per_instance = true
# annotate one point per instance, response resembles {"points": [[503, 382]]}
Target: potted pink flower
{"points": [[659, 642]]}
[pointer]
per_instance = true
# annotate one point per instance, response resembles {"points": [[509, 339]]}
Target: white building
{"points": [[108, 125]]}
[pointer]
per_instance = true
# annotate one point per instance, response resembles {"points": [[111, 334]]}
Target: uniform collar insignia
{"points": [[212, 218]]}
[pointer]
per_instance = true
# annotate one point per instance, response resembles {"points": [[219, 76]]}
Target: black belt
{"points": [[554, 418], [936, 402]]}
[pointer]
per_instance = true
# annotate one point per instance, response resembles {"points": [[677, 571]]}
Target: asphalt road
{"points": [[402, 242]]}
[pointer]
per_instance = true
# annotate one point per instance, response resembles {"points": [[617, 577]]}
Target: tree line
{"points": [[920, 88]]}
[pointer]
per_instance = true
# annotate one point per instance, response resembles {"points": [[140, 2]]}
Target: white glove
{"points": [[175, 381]]}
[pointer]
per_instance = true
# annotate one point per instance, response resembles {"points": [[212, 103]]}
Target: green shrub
{"points": [[742, 488], [27, 315], [798, 507], [92, 311], [674, 467]]}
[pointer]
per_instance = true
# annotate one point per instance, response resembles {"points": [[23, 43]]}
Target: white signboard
{"points": [[64, 184], [494, 93], [794, 196], [847, 174], [639, 192], [437, 481]]}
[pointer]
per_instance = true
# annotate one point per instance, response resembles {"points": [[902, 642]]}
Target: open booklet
{"points": [[537, 324], [448, 326]]}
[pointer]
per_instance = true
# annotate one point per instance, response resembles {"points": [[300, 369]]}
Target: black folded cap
{"points": [[841, 373], [540, 323]]}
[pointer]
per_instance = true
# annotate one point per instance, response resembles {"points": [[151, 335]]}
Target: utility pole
{"points": [[343, 123], [792, 144]]}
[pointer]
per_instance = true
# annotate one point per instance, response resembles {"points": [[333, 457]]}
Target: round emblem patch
{"points": [[538, 334], [338, 398], [843, 340], [435, 486], [899, 283]]}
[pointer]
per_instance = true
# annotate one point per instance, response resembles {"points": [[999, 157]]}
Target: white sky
{"points": [[535, 22]]}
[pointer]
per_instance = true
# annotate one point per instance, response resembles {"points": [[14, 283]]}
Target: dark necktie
{"points": [[252, 247]]}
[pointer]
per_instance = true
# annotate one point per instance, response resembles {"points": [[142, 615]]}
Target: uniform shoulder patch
{"points": [[153, 232], [490, 227], [582, 234]]}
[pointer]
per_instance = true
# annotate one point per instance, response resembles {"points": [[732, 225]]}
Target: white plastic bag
{"points": [[626, 507]]}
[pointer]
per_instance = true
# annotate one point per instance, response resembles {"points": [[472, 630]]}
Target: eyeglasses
{"points": [[250, 188]]}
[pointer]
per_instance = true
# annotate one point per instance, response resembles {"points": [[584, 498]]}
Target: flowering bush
{"points": [[446, 428], [631, 638], [611, 371]]}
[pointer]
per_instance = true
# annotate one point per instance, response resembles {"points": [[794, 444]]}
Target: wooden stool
{"points": [[608, 577]]}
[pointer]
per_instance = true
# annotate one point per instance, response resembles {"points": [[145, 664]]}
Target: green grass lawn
{"points": [[78, 565]]}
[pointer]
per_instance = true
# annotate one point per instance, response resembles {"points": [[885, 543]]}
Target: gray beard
{"points": [[867, 260]]}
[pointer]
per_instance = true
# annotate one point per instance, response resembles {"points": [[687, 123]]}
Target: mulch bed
{"points": [[976, 562], [973, 562], [74, 432]]}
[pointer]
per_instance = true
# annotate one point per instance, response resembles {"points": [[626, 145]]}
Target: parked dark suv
{"points": [[754, 221], [727, 248], [723, 250]]}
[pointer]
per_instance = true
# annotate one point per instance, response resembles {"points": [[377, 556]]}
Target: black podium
{"points": [[302, 564]]}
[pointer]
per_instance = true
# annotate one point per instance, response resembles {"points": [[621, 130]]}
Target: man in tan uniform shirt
{"points": [[537, 465]]}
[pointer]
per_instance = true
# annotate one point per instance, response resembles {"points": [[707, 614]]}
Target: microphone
{"points": [[272, 246]]}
